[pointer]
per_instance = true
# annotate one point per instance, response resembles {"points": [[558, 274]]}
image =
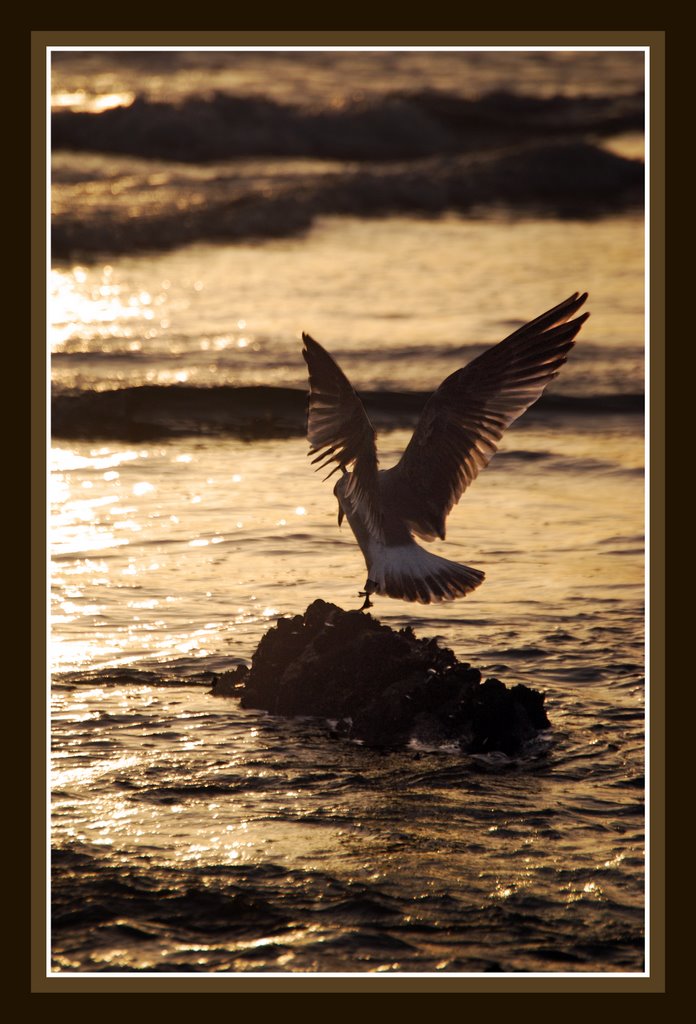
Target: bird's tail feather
{"points": [[411, 573]]}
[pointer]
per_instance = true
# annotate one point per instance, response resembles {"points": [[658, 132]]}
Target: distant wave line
{"points": [[567, 179], [397, 126], [160, 411]]}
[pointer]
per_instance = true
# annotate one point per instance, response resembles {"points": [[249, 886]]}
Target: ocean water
{"points": [[190, 835]]}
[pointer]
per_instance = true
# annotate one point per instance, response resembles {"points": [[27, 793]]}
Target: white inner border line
{"points": [[57, 975]]}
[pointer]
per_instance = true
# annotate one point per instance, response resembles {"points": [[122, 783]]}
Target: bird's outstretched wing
{"points": [[338, 430], [463, 421]]}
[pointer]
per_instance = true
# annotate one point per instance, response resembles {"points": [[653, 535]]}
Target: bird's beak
{"points": [[341, 514]]}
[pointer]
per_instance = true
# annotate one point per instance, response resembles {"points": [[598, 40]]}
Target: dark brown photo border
{"points": [[655, 42]]}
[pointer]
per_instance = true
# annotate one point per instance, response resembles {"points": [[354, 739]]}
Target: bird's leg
{"points": [[370, 588]]}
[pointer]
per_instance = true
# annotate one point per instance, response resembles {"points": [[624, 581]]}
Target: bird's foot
{"points": [[370, 588]]}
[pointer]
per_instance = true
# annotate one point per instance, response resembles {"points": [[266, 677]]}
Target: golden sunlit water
{"points": [[178, 564], [134, 524], [192, 836], [414, 301], [318, 77]]}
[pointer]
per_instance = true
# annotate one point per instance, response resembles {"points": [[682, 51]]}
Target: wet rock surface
{"points": [[381, 686]]}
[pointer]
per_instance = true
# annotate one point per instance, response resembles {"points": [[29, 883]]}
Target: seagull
{"points": [[455, 438]]}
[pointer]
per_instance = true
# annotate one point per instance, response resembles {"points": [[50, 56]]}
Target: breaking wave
{"points": [[157, 175], [154, 411], [397, 126]]}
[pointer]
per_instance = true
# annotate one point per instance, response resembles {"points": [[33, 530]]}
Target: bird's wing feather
{"points": [[463, 421], [338, 430]]}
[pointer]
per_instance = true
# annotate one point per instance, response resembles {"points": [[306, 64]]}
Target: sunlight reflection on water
{"points": [[184, 565], [417, 321]]}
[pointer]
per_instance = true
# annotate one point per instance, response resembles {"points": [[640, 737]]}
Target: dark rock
{"points": [[230, 684], [381, 686]]}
